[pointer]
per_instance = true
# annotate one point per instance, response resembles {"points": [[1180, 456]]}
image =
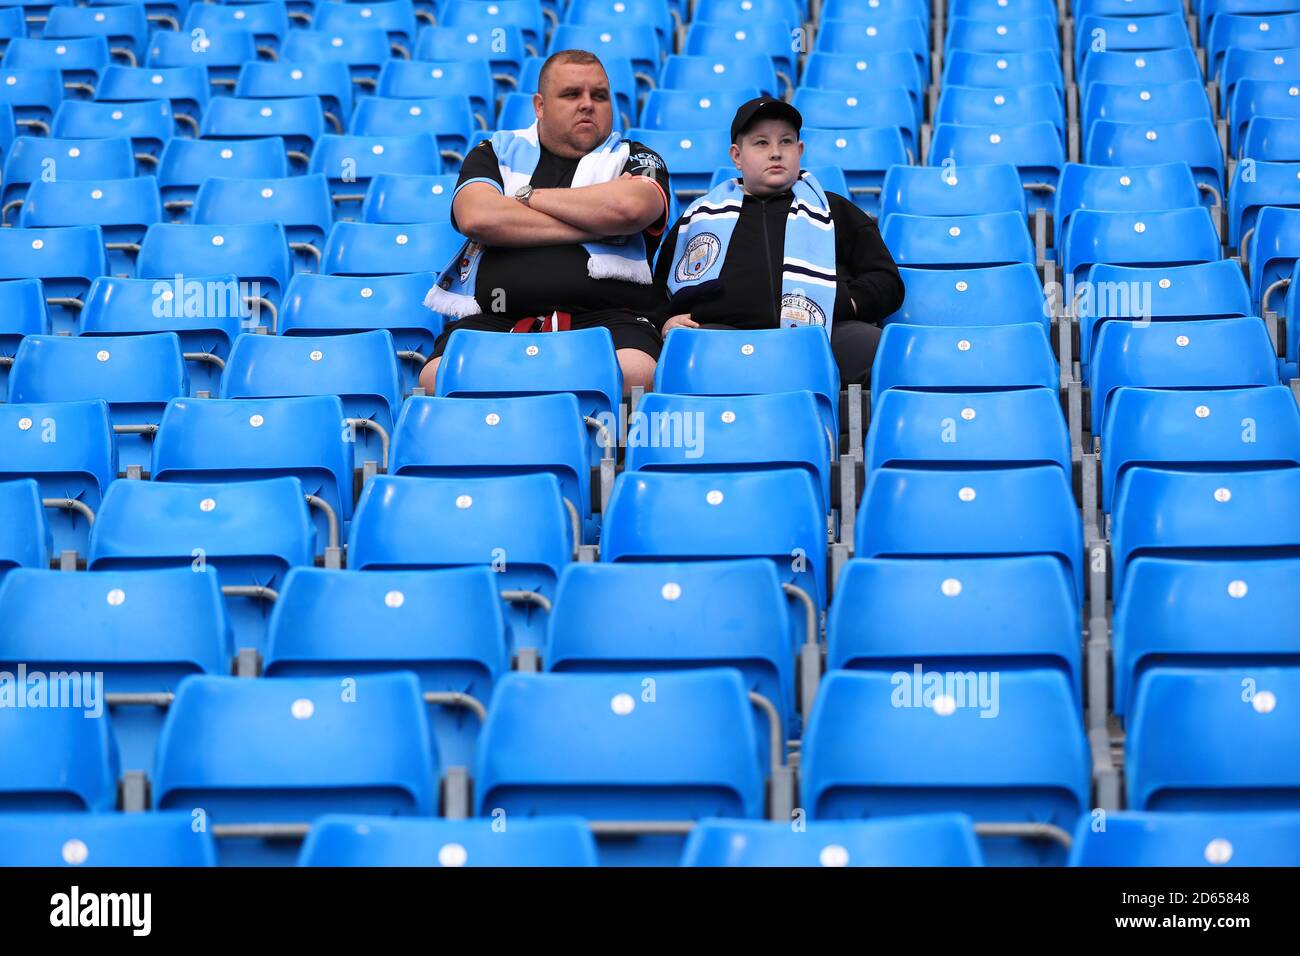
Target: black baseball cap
{"points": [[764, 107]]}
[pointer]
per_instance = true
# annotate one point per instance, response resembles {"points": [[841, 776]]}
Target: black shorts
{"points": [[629, 330]]}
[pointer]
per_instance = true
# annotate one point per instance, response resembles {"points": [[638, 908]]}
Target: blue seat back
{"points": [[104, 839]]}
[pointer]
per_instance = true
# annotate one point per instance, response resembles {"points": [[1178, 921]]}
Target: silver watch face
{"points": [[524, 192]]}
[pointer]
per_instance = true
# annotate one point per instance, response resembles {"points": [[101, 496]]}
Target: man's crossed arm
{"points": [[621, 207]]}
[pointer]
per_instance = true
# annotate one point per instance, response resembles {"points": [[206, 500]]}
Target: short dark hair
{"points": [[580, 57]]}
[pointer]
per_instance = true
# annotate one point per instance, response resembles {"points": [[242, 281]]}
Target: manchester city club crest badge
{"points": [[698, 257], [797, 309]]}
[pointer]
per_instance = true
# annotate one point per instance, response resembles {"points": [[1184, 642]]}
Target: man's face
{"points": [[574, 114], [768, 157]]}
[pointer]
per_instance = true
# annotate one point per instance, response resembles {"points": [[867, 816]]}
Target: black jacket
{"points": [[749, 293]]}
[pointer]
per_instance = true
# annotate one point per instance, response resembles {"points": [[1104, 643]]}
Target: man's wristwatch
{"points": [[524, 194]]}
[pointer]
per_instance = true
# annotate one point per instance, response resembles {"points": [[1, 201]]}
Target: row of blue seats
{"points": [[284, 751]]}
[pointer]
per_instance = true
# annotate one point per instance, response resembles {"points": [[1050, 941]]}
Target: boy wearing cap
{"points": [[772, 249]]}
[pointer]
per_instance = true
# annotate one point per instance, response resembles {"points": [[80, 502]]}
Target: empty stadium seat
{"points": [[186, 88], [975, 106], [268, 22], [1178, 613], [691, 155], [653, 14], [1241, 63], [996, 295], [996, 71], [22, 312], [186, 163], [1250, 32], [143, 631], [1211, 515], [401, 197], [446, 77], [504, 51], [66, 259], [915, 429], [363, 49], [1268, 184], [24, 533], [864, 154], [1189, 839], [595, 744], [324, 625], [1148, 66], [963, 359], [634, 618], [1033, 148], [1028, 602], [1027, 34], [928, 840], [954, 242], [1273, 249], [1144, 103], [1174, 237], [1192, 141], [517, 525], [863, 72], [881, 746], [838, 109], [913, 513], [31, 158], [1126, 188], [724, 40], [302, 204], [1225, 353], [124, 26], [68, 447], [221, 52], [79, 60], [349, 162], [122, 208], [1216, 430], [735, 71], [328, 81], [136, 375], [104, 839], [1124, 34], [449, 118], [148, 124], [60, 752], [289, 750], [377, 249], [694, 109], [34, 93], [395, 16], [297, 120], [385, 841], [887, 33], [1248, 763], [941, 191]]}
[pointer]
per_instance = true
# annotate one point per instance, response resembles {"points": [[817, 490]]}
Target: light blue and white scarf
{"points": [[808, 269], [517, 153]]}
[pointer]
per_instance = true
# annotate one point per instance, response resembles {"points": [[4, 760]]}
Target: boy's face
{"points": [[768, 157]]}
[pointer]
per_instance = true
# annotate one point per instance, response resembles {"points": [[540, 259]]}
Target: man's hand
{"points": [[620, 207], [679, 322]]}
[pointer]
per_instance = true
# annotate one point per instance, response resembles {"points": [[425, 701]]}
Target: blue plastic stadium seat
{"points": [[324, 625], [1250, 762], [361, 369], [963, 359], [914, 429], [938, 839], [1128, 34], [948, 242], [395, 16], [104, 839], [34, 93], [518, 112], [774, 514], [1013, 36], [1291, 307], [731, 433], [1223, 353], [942, 191], [767, 37], [1206, 614], [186, 88], [1147, 103], [733, 71], [517, 525], [364, 50], [999, 106], [1034, 148], [29, 160], [1208, 290], [640, 14], [691, 155], [449, 118], [524, 16], [864, 72], [1028, 602], [1206, 12], [838, 109], [147, 123], [22, 312], [890, 32], [1251, 32], [1273, 251], [1268, 184], [1122, 188], [329, 81], [695, 109], [582, 361], [448, 77], [1148, 66], [377, 249], [912, 513], [297, 120], [402, 197], [221, 52], [66, 259], [225, 440], [855, 12], [122, 208], [1215, 430], [864, 154], [484, 437], [302, 204], [349, 162], [290, 750], [186, 163], [1240, 63], [998, 295], [255, 252], [143, 630], [995, 71], [592, 744], [24, 532], [789, 12], [714, 362], [504, 52], [1192, 141], [1172, 237], [634, 618], [1189, 839], [268, 22], [136, 375], [68, 447], [1222, 516], [60, 754], [79, 60], [385, 841], [884, 746]]}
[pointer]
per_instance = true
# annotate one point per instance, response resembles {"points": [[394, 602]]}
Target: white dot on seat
{"points": [[966, 494], [728, 417], [685, 144], [302, 709], [464, 502], [316, 355], [264, 111], [437, 73], [995, 138], [227, 153], [1001, 64], [1002, 31], [337, 41], [531, 351], [257, 421], [452, 854], [968, 414], [622, 704], [1202, 411], [714, 497], [402, 239], [415, 111], [1222, 495], [860, 65], [115, 597], [872, 31], [74, 152], [999, 100], [296, 75], [74, 852], [1237, 589], [38, 244], [437, 189], [24, 424], [1144, 96], [747, 349], [963, 345], [1218, 852], [671, 591], [116, 114], [954, 231], [833, 855], [493, 419], [945, 705], [267, 193], [218, 240], [1140, 63], [1264, 702], [950, 587], [1151, 135], [377, 149], [705, 104], [1132, 28], [962, 285], [367, 292], [1139, 227], [851, 101], [394, 599], [207, 504], [1182, 341], [719, 68]]}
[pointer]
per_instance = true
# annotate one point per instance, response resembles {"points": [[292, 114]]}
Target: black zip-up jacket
{"points": [[748, 294]]}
